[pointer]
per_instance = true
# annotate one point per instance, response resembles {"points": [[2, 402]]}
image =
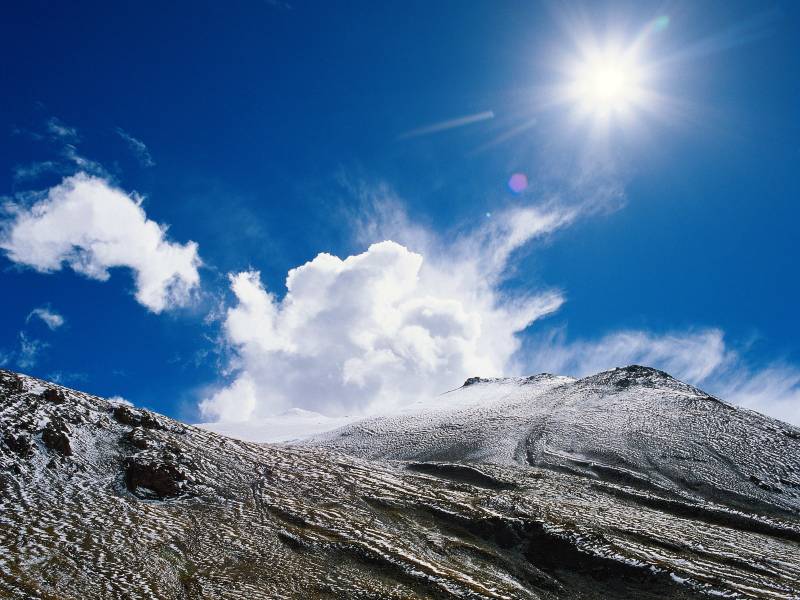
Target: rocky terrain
{"points": [[627, 484]]}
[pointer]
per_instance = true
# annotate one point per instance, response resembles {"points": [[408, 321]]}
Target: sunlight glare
{"points": [[606, 85]]}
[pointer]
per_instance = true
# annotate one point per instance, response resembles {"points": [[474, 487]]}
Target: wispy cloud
{"points": [[700, 357], [59, 130], [120, 400], [65, 378], [447, 124], [690, 355], [773, 390], [35, 170], [83, 164], [49, 317], [29, 350], [137, 147], [68, 161], [92, 226]]}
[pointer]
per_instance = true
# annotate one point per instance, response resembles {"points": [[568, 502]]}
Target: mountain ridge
{"points": [[636, 422], [117, 501]]}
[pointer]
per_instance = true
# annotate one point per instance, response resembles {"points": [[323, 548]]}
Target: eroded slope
{"points": [[99, 500]]}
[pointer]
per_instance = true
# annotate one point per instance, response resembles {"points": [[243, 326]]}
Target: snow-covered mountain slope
{"points": [[101, 500], [634, 425]]}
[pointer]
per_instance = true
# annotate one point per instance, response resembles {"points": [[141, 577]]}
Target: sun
{"points": [[606, 85], [613, 80]]}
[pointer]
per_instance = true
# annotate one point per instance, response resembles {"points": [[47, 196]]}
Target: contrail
{"points": [[443, 125]]}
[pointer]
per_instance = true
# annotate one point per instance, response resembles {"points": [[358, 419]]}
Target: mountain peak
{"points": [[639, 375], [520, 380]]}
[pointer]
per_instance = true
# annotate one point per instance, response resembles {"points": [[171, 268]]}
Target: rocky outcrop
{"points": [[54, 436], [20, 444], [136, 418], [147, 475], [137, 437], [54, 395]]}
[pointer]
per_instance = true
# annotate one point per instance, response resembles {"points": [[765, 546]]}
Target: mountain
{"points": [[634, 425], [103, 500]]}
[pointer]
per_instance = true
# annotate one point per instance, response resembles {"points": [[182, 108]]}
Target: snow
{"points": [[298, 521], [635, 425]]}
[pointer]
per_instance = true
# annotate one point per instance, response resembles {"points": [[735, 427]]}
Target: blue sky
{"points": [[267, 133]]}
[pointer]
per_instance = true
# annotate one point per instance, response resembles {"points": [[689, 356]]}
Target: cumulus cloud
{"points": [[410, 318], [49, 317], [137, 147], [385, 327], [701, 357], [92, 226]]}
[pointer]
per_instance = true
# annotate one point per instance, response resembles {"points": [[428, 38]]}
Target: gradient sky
{"points": [[268, 132]]}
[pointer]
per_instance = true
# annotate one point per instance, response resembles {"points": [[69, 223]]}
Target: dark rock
{"points": [[137, 438], [162, 478], [472, 380], [641, 371], [14, 384], [764, 485], [126, 416], [136, 418], [150, 421], [19, 444], [539, 377], [75, 418], [53, 395], [460, 474], [55, 438], [624, 383]]}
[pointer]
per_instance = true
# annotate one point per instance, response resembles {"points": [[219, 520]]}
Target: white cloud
{"points": [[83, 164], [26, 355], [137, 147], [700, 357], [93, 226], [406, 320], [692, 356], [59, 130], [119, 400], [49, 317], [774, 390], [385, 327], [29, 350], [35, 170]]}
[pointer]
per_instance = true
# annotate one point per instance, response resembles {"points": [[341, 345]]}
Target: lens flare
{"points": [[518, 183]]}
